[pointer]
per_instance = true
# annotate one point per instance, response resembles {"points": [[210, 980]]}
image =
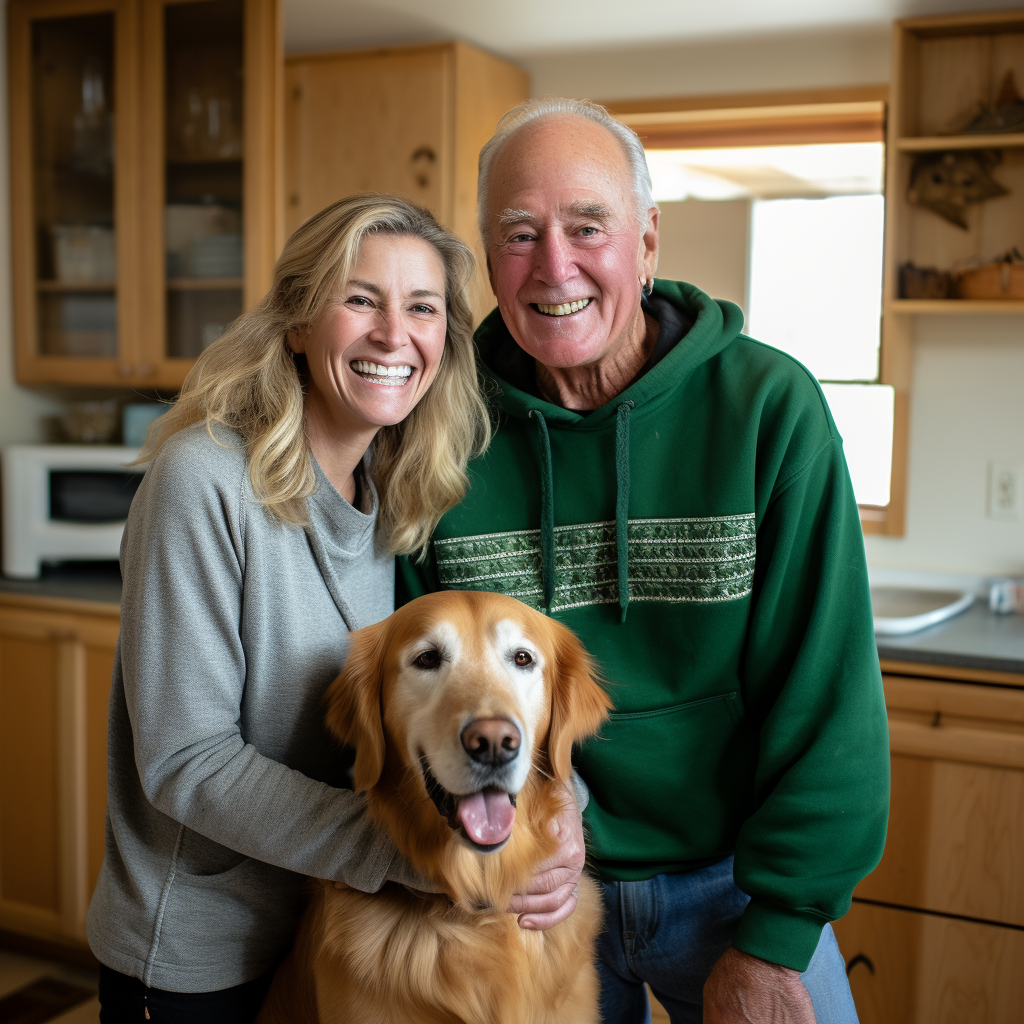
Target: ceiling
{"points": [[519, 28]]}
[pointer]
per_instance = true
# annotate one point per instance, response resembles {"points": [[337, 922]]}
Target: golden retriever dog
{"points": [[462, 708]]}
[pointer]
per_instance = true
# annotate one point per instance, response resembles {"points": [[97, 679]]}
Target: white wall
{"points": [[21, 409], [706, 243], [967, 408], [807, 60]]}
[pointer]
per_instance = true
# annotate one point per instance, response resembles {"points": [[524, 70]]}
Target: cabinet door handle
{"points": [[860, 958], [420, 169]]}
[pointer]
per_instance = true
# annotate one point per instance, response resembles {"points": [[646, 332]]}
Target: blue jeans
{"points": [[670, 930]]}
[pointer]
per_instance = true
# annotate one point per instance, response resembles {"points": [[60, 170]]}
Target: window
{"points": [[779, 207], [816, 292]]}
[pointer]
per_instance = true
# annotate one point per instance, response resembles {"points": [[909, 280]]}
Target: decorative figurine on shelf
{"points": [[1005, 115], [948, 182], [925, 282], [998, 278]]}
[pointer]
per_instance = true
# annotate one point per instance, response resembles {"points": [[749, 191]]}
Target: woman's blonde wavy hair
{"points": [[248, 380]]}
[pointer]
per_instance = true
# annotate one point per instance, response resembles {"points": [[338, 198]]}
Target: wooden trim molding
{"points": [[918, 670], [732, 100], [757, 119]]}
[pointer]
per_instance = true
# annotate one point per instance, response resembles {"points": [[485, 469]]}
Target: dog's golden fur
{"points": [[460, 958]]}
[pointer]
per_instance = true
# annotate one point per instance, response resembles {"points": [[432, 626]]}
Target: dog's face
{"points": [[466, 693]]}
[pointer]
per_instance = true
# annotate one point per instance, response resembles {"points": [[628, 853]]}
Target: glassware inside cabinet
{"points": [[73, 171], [203, 140]]}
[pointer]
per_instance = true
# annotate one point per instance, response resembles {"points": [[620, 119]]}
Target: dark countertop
{"points": [[977, 638], [82, 581]]}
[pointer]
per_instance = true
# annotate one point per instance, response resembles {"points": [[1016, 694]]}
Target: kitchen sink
{"points": [[901, 610]]}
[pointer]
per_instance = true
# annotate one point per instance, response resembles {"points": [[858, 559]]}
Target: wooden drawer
{"points": [[956, 820], [913, 968]]}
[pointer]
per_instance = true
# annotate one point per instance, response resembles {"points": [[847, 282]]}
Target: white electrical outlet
{"points": [[1005, 497]]}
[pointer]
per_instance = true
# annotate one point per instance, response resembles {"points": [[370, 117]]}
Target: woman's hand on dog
{"points": [[551, 896]]}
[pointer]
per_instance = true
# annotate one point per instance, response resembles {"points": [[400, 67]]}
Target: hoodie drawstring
{"points": [[622, 501], [547, 510]]}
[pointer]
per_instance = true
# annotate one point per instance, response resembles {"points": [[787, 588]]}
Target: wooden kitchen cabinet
{"points": [[145, 181], [912, 967], [56, 659], [936, 932], [409, 120]]}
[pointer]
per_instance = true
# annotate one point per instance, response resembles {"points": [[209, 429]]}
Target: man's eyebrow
{"points": [[586, 209], [590, 210], [508, 217]]}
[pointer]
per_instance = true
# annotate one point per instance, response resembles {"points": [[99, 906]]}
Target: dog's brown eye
{"points": [[523, 658], [428, 659]]}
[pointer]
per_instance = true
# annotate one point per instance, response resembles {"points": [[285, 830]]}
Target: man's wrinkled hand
{"points": [[552, 893], [742, 989]]}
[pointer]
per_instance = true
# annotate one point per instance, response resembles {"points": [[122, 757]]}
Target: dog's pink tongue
{"points": [[487, 817]]}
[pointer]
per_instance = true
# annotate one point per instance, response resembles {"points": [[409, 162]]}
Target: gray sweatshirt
{"points": [[223, 785]]}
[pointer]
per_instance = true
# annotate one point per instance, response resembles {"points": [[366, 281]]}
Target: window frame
{"points": [[795, 118]]}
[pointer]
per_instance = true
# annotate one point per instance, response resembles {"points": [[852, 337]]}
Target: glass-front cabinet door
{"points": [[71, 213], [202, 160], [145, 151], [203, 194]]}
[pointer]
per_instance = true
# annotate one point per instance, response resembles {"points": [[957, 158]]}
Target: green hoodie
{"points": [[700, 535]]}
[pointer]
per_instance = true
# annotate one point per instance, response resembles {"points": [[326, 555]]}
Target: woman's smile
{"points": [[378, 373]]}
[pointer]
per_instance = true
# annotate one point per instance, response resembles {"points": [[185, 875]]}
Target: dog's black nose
{"points": [[491, 741]]}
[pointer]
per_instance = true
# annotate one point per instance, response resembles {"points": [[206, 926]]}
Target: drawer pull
{"points": [[957, 743], [860, 958]]}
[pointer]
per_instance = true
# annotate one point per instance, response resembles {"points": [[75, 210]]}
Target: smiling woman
{"points": [[324, 430]]}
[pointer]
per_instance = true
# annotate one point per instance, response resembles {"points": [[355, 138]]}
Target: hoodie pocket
{"points": [[671, 784]]}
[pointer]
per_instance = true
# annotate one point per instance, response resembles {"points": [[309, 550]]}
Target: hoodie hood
{"points": [[715, 324]]}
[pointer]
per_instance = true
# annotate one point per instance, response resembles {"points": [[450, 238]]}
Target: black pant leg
{"points": [[125, 1000]]}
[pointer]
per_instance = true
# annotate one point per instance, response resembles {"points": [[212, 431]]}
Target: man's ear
{"points": [[649, 243], [354, 703], [579, 705]]}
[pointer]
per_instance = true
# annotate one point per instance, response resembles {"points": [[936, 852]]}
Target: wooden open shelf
{"points": [[944, 70], [931, 143], [956, 306]]}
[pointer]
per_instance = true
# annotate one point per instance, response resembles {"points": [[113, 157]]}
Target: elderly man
{"points": [[676, 493]]}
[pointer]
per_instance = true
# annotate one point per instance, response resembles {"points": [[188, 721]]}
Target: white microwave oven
{"points": [[64, 503]]}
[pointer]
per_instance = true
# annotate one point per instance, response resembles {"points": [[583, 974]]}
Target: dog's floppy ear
{"points": [[579, 705], [354, 703]]}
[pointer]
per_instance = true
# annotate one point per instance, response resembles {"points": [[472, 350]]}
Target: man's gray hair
{"points": [[534, 110]]}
